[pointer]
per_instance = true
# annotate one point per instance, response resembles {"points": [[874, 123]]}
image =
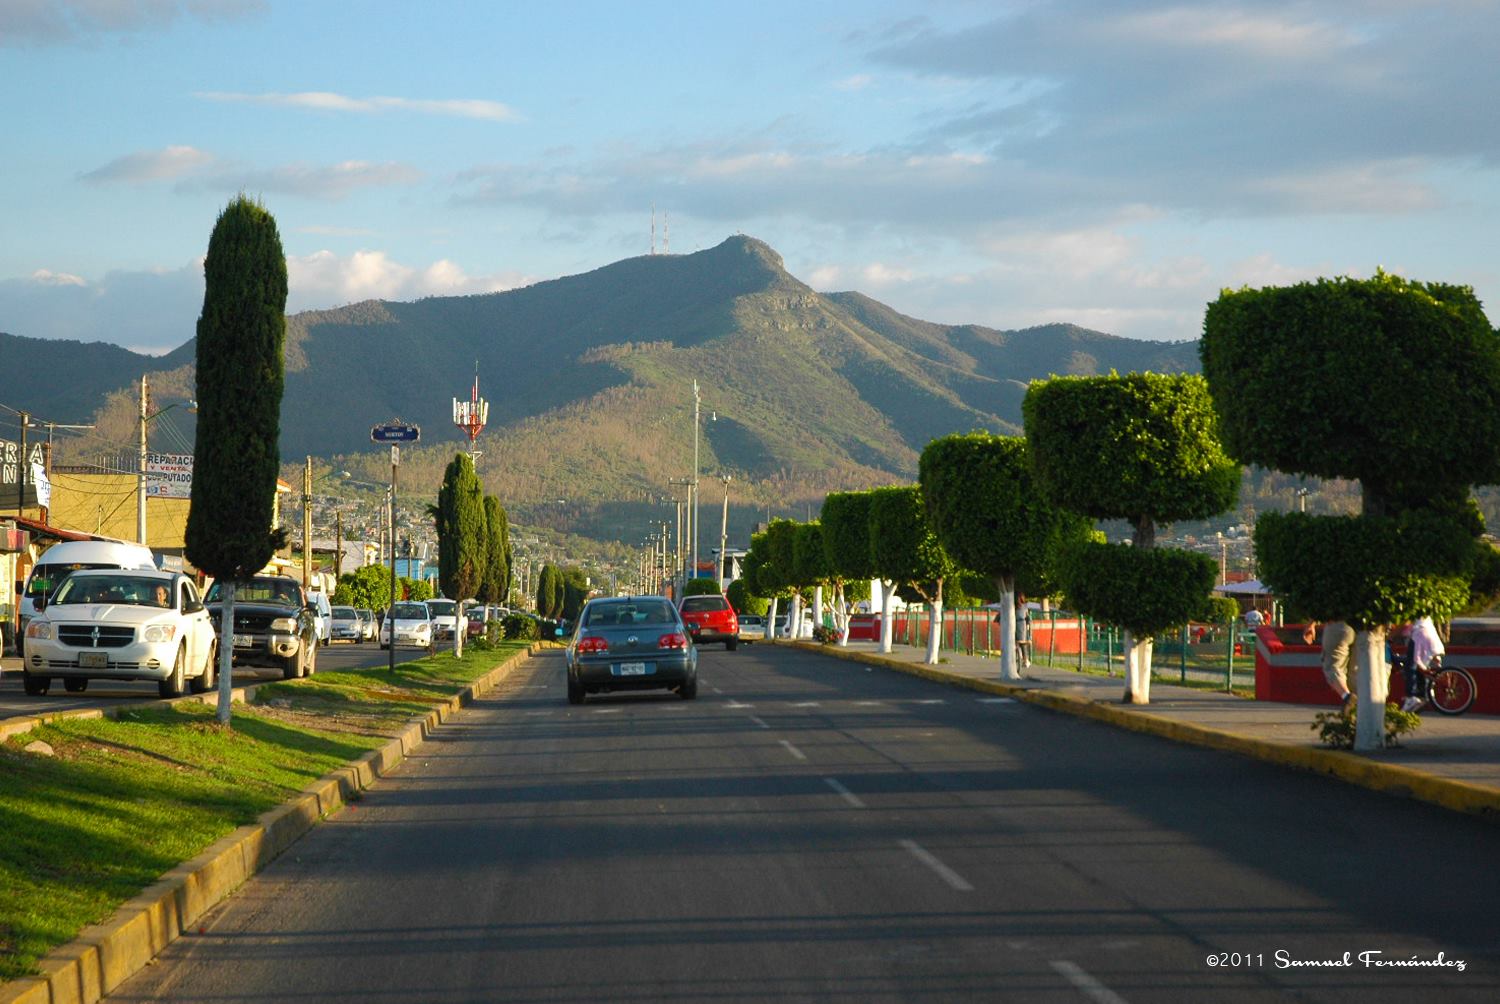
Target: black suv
{"points": [[274, 625]]}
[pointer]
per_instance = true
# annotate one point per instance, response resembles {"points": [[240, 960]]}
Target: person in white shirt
{"points": [[1426, 649]]}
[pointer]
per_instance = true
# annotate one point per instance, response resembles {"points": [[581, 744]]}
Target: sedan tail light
{"points": [[592, 643], [674, 640]]}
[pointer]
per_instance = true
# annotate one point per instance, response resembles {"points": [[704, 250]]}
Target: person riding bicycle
{"points": [[1425, 650]]}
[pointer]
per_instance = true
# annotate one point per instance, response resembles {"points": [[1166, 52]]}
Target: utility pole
{"points": [[307, 523], [724, 532], [338, 546], [140, 488], [697, 402], [21, 474]]}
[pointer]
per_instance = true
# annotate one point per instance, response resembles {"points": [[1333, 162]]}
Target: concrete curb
{"points": [[105, 955], [1390, 779]]}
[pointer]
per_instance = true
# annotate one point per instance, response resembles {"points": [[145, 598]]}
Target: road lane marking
{"points": [[845, 793], [1086, 984], [948, 875], [607, 711], [996, 700], [933, 701], [736, 704], [807, 704], [757, 721], [867, 704], [794, 751]]}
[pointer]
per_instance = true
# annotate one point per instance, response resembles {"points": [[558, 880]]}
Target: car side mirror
{"points": [[41, 602], [192, 607]]}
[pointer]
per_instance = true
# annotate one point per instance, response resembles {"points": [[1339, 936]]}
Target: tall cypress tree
{"points": [[241, 366], [462, 537], [496, 584]]}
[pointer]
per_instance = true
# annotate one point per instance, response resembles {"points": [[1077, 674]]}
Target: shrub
{"points": [[520, 627], [1336, 729], [701, 587]]}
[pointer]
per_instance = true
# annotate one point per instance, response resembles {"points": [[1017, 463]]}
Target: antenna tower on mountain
{"points": [[471, 415]]}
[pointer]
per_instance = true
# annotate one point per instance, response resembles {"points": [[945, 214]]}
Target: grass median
{"points": [[124, 800]]}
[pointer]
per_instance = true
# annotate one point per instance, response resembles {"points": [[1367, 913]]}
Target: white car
{"points": [[121, 624], [444, 615], [413, 625]]}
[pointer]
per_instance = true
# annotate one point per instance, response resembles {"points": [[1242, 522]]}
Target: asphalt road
{"points": [[102, 693], [813, 830]]}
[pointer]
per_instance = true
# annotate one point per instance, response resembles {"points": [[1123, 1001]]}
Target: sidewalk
{"points": [[1451, 762]]}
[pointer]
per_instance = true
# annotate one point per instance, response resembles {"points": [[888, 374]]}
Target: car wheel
{"points": [[688, 690], [174, 685], [731, 644], [204, 681], [575, 692], [291, 666], [36, 686], [75, 684]]}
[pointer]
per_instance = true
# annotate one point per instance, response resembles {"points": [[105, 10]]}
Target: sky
{"points": [[1106, 163]]}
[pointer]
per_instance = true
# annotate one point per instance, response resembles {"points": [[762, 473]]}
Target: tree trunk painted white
{"points": [[1374, 687], [1009, 668], [460, 628], [817, 607], [841, 615], [771, 620], [887, 629], [1137, 669], [226, 653], [794, 622], [934, 629]]}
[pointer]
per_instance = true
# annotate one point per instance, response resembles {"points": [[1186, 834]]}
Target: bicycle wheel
{"points": [[1453, 690]]}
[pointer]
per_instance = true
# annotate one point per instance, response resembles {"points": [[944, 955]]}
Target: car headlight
{"points": [[38, 629], [285, 625], [159, 632]]}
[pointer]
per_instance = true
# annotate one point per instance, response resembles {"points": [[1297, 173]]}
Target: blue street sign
{"points": [[395, 433]]}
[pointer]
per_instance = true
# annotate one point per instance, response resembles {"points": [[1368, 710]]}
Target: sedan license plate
{"points": [[243, 641], [633, 669], [93, 660]]}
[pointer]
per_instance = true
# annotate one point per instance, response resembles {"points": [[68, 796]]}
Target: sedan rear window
{"points": [[623, 614], [699, 604]]}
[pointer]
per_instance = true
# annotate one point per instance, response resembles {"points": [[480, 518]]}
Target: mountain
{"points": [[589, 379]]}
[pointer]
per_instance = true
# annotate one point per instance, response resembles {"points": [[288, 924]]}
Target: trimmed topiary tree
{"points": [[762, 577], [575, 592], [1393, 383], [241, 371], [846, 544], [548, 592], [780, 568], [810, 567], [1143, 448], [701, 587], [742, 598], [463, 538], [986, 510], [907, 553]]}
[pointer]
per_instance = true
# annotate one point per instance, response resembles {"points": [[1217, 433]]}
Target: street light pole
{"points": [[140, 488], [724, 532], [697, 401]]}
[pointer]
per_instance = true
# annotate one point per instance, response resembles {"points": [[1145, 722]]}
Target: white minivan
{"points": [[62, 559]]}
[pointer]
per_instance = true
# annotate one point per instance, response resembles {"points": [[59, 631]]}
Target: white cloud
{"points": [[325, 279], [880, 274], [333, 181], [151, 165], [61, 21], [327, 101], [44, 277], [825, 277]]}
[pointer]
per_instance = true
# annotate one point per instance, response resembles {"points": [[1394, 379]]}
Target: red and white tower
{"points": [[471, 416]]}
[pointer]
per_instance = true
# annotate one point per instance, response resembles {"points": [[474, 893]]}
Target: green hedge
{"points": [[1144, 590], [701, 587]]}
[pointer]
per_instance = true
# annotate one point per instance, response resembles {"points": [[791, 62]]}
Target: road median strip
{"points": [[104, 955], [1387, 778]]}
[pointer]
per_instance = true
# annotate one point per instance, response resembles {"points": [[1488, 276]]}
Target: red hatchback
{"points": [[709, 619]]}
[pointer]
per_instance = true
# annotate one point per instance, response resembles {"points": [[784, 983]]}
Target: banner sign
{"points": [[169, 475], [10, 474]]}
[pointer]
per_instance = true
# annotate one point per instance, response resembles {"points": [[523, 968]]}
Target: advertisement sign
{"points": [[169, 475], [10, 474]]}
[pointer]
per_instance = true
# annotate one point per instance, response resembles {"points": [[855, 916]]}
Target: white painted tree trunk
{"points": [[841, 615], [460, 628], [1009, 651], [771, 620], [226, 653], [1374, 687], [794, 622], [1137, 669], [887, 629], [817, 607], [934, 631]]}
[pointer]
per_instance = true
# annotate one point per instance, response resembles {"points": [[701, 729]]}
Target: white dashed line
{"points": [[948, 875], [845, 793], [794, 751], [1086, 984], [937, 701], [737, 704], [757, 721], [607, 711], [807, 704], [867, 704], [997, 700]]}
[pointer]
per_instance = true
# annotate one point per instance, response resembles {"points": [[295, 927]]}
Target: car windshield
{"points": [[622, 614], [132, 590], [345, 613], [441, 608], [45, 577], [409, 612], [283, 591]]}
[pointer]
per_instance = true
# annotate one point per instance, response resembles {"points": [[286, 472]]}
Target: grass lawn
{"points": [[125, 800]]}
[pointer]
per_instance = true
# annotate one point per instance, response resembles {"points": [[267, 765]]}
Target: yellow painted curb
{"points": [[105, 955], [1392, 779]]}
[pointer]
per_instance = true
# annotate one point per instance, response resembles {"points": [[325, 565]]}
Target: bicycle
{"points": [[1450, 690]]}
